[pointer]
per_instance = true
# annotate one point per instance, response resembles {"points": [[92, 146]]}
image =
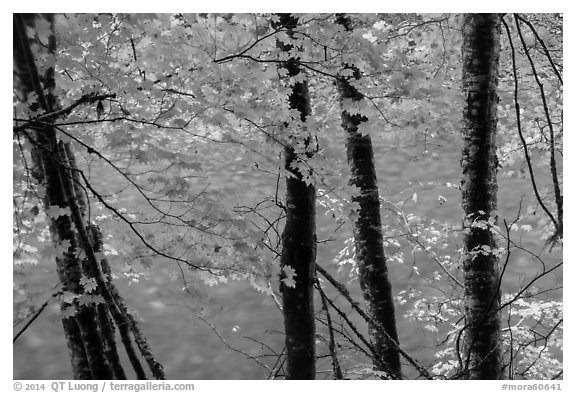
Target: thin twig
{"points": [[543, 45], [554, 171], [423, 372], [34, 317], [519, 127], [86, 98], [331, 342], [231, 347]]}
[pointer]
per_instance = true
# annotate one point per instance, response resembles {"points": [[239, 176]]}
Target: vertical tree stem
{"points": [[298, 238], [482, 338], [368, 238]]}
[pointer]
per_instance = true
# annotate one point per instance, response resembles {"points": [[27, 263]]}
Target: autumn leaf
{"points": [[288, 276], [89, 284], [55, 211]]}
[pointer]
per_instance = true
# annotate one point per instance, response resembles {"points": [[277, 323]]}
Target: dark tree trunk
{"points": [[481, 52], [368, 238], [103, 320], [84, 339], [90, 332], [298, 241]]}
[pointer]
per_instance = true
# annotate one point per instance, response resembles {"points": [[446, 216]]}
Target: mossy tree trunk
{"points": [[481, 356], [88, 327], [368, 238], [84, 340], [298, 238]]}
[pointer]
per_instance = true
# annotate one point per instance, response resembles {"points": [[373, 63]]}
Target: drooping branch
{"points": [[553, 169], [542, 44], [231, 347], [415, 239], [519, 128], [242, 54], [33, 318], [369, 350], [331, 342], [356, 306]]}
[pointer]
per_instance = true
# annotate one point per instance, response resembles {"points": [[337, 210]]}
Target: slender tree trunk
{"points": [[368, 238], [298, 241], [105, 324], [90, 269], [90, 240], [481, 52]]}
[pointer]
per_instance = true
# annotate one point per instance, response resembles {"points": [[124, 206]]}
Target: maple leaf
{"points": [[68, 312], [56, 211], [89, 284], [289, 274], [62, 247], [68, 297], [87, 300]]}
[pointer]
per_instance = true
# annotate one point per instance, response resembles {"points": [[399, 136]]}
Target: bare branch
{"points": [[543, 45], [423, 372], [85, 99], [554, 171], [519, 127], [331, 343]]}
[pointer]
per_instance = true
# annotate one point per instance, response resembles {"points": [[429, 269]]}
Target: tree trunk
{"points": [[298, 241], [368, 238], [482, 341], [90, 332], [83, 337], [103, 320]]}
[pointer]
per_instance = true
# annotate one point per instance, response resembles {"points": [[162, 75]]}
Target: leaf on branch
{"points": [[260, 285], [87, 300], [62, 247], [55, 211], [289, 274], [68, 312], [89, 284], [68, 297]]}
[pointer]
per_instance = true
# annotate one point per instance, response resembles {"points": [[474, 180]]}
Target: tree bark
{"points": [[482, 340], [298, 240], [103, 320], [368, 237], [90, 332], [83, 338]]}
